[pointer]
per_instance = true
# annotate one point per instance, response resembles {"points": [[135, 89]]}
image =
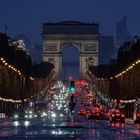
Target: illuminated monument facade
{"points": [[83, 36]]}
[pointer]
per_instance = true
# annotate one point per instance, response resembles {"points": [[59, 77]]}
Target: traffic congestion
{"points": [[71, 110]]}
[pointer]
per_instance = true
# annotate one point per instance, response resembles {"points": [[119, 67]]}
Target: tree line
{"points": [[13, 85]]}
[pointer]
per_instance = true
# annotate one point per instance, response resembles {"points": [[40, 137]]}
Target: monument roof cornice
{"points": [[69, 23]]}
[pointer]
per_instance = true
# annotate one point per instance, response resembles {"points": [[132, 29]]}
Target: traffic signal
{"points": [[72, 86], [72, 104], [72, 107]]}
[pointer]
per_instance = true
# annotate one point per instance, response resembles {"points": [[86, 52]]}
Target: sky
{"points": [[27, 16]]}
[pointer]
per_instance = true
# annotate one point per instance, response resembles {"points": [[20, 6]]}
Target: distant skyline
{"points": [[123, 34], [27, 16]]}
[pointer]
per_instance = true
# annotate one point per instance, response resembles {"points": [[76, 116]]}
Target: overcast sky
{"points": [[27, 16]]}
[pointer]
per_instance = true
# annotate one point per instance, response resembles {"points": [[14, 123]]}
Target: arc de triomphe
{"points": [[83, 36]]}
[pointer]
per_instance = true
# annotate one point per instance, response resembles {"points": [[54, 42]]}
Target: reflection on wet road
{"points": [[58, 129], [57, 125]]}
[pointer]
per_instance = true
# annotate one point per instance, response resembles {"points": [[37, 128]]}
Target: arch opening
{"points": [[70, 62]]}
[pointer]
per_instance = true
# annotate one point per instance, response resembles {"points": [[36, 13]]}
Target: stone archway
{"points": [[70, 62], [84, 36]]}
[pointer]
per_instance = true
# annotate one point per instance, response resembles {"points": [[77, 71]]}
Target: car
{"points": [[103, 113], [93, 114], [19, 115], [116, 116], [81, 112]]}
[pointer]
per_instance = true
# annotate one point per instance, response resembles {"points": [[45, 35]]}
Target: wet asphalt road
{"points": [[41, 129]]}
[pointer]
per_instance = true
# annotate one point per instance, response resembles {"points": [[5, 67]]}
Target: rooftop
{"points": [[70, 27], [69, 23]]}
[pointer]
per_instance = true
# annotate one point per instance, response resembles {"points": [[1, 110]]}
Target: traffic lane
{"points": [[39, 129], [92, 129], [10, 128], [101, 129], [127, 129], [95, 131]]}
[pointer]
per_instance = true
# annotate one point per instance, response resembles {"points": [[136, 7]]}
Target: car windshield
{"points": [[20, 112]]}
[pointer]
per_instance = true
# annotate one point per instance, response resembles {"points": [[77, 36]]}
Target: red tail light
{"points": [[123, 115], [93, 111], [113, 115], [89, 113], [138, 115], [118, 114]]}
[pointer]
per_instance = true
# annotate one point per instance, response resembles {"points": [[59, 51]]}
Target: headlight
{"points": [[59, 108], [16, 116], [16, 123], [53, 115], [61, 115], [26, 116], [30, 116], [30, 112], [66, 109], [35, 116], [44, 114], [26, 123]]}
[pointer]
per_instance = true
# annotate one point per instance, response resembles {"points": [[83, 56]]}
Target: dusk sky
{"points": [[27, 16]]}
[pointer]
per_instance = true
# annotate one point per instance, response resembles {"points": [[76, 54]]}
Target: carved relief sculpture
{"points": [[51, 47], [90, 47], [90, 61], [51, 60]]}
